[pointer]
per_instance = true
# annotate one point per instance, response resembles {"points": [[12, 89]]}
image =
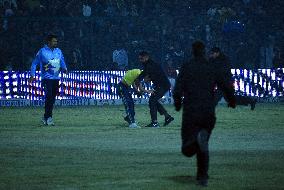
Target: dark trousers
{"points": [[155, 105], [194, 129], [50, 88], [240, 100], [244, 100], [125, 95]]}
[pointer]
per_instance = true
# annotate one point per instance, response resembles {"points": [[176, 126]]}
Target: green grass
{"points": [[91, 148]]}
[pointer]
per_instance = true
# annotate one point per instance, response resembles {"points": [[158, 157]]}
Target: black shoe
{"points": [[168, 120], [252, 105], [127, 120], [202, 182], [155, 125]]}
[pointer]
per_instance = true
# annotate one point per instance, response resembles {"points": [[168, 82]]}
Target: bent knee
{"points": [[189, 151], [202, 140]]}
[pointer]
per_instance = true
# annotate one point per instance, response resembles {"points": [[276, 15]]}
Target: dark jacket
{"points": [[156, 74], [196, 83]]}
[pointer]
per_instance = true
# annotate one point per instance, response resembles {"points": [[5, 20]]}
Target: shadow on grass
{"points": [[183, 179]]}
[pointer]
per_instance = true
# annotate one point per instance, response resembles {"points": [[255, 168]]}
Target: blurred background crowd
{"points": [[109, 34]]}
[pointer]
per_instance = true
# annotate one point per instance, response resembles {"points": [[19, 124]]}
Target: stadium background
{"points": [[249, 31], [90, 31]]}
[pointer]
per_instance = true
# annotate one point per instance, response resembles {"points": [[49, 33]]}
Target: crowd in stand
{"points": [[93, 33]]}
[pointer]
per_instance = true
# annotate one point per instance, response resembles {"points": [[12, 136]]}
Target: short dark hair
{"points": [[198, 48], [215, 50], [50, 37], [143, 53]]}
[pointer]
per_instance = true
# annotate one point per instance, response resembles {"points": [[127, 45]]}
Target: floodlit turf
{"points": [[91, 148]]}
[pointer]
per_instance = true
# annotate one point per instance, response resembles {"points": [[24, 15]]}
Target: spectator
{"points": [[134, 11], [87, 10], [171, 72], [278, 59], [11, 3], [177, 21], [120, 57], [8, 12], [76, 61]]}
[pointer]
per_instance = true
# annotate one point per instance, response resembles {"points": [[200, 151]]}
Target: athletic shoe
{"points": [[133, 125], [44, 122], [252, 105], [49, 121], [155, 125], [126, 118], [168, 120]]}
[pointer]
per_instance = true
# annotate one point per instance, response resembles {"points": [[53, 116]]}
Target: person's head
{"points": [[169, 62], [6, 5], [198, 49], [143, 56], [51, 40], [215, 52]]}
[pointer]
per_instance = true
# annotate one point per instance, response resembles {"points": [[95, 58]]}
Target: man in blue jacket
{"points": [[51, 61]]}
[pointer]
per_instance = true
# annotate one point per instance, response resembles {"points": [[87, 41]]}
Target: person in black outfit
{"points": [[194, 90], [161, 85], [221, 61]]}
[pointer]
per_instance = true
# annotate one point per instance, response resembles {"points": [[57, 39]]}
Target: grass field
{"points": [[91, 148]]}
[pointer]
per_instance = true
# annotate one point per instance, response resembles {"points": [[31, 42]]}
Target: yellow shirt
{"points": [[131, 75]]}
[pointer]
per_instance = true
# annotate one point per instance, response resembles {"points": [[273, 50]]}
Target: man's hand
{"points": [[152, 92], [232, 104], [31, 79], [148, 91], [147, 78], [177, 104], [139, 94], [65, 71]]}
